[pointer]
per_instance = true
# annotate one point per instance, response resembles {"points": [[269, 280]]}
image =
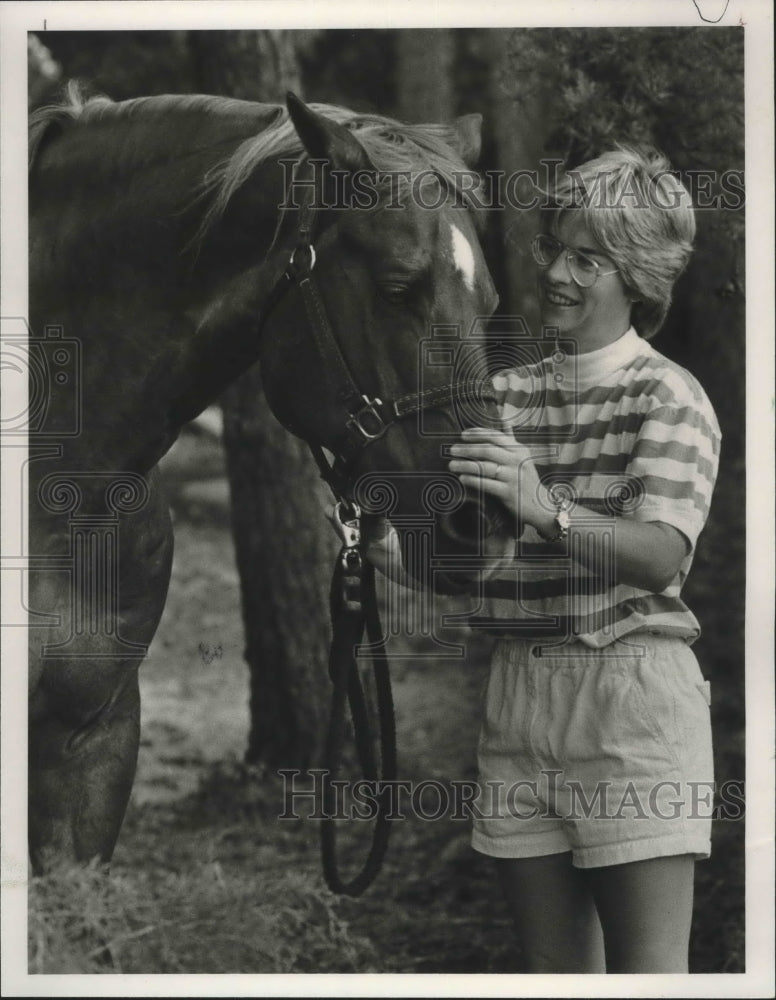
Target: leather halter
{"points": [[353, 599], [365, 420]]}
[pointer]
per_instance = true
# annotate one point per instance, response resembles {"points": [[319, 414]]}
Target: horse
{"points": [[173, 241]]}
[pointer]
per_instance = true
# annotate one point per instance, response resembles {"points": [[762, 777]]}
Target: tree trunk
{"points": [[425, 90], [520, 129], [284, 544]]}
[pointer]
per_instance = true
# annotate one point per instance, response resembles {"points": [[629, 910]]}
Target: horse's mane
{"points": [[390, 145], [139, 111], [44, 119]]}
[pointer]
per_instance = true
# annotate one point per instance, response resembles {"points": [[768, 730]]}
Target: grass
{"points": [[206, 917]]}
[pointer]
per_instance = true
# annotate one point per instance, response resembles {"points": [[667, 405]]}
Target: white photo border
{"points": [[757, 18]]}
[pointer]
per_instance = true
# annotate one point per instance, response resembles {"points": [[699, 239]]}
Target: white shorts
{"points": [[602, 752]]}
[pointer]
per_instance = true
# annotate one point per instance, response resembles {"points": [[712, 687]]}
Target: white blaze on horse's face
{"points": [[463, 255]]}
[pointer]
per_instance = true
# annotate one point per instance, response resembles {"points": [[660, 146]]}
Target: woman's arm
{"points": [[647, 555]]}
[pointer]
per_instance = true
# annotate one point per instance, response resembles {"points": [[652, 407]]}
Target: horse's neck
{"points": [[163, 328]]}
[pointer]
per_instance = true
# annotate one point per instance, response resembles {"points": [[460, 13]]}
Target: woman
{"points": [[595, 749]]}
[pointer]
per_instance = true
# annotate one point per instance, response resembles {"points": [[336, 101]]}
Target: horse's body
{"points": [[155, 238]]}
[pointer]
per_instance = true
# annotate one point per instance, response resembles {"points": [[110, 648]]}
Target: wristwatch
{"points": [[562, 519]]}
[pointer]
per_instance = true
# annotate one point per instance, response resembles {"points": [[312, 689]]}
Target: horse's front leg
{"points": [[84, 724], [84, 738]]}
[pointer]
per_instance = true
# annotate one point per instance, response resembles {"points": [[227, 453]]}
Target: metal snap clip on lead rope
{"points": [[296, 268], [347, 521]]}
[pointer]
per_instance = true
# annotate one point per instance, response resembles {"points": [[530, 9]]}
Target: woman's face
{"points": [[594, 316]]}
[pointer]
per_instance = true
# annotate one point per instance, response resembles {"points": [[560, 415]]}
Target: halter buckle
{"points": [[368, 421]]}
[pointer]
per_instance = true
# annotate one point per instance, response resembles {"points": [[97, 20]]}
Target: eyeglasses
{"points": [[583, 269]]}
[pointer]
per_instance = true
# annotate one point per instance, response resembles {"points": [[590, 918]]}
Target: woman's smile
{"points": [[558, 298]]}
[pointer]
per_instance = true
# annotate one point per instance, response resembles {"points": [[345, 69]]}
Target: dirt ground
{"points": [[436, 907]]}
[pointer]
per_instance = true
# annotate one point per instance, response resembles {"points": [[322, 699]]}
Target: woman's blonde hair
{"points": [[642, 216]]}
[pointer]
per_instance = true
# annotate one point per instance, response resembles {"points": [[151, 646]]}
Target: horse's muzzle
{"points": [[458, 550]]}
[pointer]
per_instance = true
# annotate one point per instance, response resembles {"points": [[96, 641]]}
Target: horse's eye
{"points": [[395, 291]]}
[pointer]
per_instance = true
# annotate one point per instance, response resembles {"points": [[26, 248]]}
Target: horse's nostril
{"points": [[467, 524]]}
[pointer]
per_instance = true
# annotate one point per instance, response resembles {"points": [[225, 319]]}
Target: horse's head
{"points": [[377, 354]]}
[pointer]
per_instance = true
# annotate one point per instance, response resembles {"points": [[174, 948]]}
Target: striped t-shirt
{"points": [[625, 432]]}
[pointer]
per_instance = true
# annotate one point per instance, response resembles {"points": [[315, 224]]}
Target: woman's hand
{"points": [[383, 550], [647, 555], [492, 461], [381, 546]]}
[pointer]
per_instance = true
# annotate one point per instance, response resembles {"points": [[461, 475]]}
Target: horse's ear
{"points": [[469, 144], [325, 139]]}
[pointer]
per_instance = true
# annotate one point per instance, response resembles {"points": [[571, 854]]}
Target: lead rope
{"points": [[352, 596], [353, 606]]}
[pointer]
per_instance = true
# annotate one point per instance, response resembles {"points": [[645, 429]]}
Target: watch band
{"points": [[562, 519]]}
